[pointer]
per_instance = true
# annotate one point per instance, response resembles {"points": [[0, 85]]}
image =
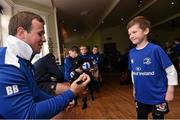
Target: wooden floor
{"points": [[115, 101]]}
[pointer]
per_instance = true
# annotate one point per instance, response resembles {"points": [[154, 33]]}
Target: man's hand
{"points": [[70, 106], [78, 89], [61, 87]]}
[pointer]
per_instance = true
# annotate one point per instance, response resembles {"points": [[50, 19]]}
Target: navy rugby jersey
{"points": [[148, 68], [68, 65], [20, 98], [96, 59]]}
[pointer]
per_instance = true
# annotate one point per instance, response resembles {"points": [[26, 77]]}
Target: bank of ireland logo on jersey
{"points": [[147, 61]]}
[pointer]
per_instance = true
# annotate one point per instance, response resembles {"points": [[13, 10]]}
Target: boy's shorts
{"points": [[161, 108]]}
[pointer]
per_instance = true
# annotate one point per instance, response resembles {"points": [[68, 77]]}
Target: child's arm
{"points": [[170, 93], [172, 81]]}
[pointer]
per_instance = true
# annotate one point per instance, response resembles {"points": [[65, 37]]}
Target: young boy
{"points": [[70, 62], [153, 74]]}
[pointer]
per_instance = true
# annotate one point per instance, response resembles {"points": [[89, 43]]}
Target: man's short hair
{"points": [[23, 19]]}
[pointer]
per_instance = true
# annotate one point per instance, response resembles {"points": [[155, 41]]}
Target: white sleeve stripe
{"points": [[172, 75], [132, 77]]}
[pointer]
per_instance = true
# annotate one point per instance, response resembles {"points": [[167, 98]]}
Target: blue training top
{"points": [[148, 67], [68, 66], [96, 59], [20, 98]]}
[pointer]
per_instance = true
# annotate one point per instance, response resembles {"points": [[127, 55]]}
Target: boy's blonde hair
{"points": [[142, 21]]}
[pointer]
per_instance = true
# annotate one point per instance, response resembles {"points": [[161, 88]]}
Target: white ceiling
{"points": [[47, 3], [82, 17], [111, 13]]}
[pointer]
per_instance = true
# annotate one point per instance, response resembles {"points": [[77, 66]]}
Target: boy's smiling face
{"points": [[137, 35]]}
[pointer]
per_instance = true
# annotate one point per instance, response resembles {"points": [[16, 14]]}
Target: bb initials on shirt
{"points": [[12, 89]]}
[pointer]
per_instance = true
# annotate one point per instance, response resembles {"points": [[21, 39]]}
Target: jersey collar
{"points": [[19, 47]]}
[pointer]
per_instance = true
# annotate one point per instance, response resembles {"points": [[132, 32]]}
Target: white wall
{"points": [[5, 17]]}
